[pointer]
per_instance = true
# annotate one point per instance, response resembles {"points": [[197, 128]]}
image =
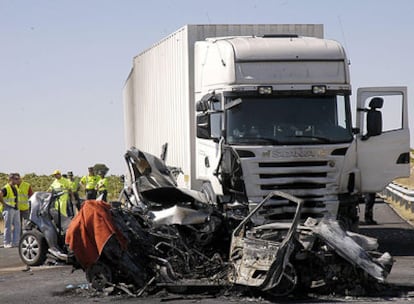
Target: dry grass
{"points": [[403, 211], [409, 181]]}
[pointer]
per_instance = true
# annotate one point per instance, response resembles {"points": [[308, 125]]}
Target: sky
{"points": [[64, 63]]}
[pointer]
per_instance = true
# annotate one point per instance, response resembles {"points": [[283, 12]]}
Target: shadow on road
{"points": [[397, 241]]}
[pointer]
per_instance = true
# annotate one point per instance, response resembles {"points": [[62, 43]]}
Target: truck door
{"points": [[383, 143]]}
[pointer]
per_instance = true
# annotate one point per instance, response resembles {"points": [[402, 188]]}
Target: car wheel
{"points": [[99, 275], [287, 283], [33, 248]]}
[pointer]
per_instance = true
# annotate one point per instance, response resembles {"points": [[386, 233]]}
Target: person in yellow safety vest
{"points": [[102, 186], [25, 192], [61, 184], [89, 183], [74, 186], [9, 198]]}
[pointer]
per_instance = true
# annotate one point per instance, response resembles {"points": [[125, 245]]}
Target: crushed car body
{"points": [[163, 235], [43, 237]]}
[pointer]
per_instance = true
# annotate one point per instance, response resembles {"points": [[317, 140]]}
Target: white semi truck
{"points": [[249, 109]]}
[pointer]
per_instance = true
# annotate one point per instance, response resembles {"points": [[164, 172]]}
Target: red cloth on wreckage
{"points": [[89, 231]]}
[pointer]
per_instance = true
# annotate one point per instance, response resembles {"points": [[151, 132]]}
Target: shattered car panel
{"points": [[261, 262], [153, 180], [179, 216], [348, 248], [176, 238]]}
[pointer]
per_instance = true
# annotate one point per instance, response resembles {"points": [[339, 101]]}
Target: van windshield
{"points": [[289, 120]]}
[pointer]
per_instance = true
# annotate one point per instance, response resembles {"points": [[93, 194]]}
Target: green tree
{"points": [[100, 167]]}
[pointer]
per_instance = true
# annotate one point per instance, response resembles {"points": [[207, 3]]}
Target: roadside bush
{"points": [[42, 182]]}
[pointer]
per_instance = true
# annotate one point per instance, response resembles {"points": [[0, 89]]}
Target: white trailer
{"points": [[159, 100], [249, 109]]}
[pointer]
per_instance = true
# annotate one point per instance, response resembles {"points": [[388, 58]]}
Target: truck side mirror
{"points": [[204, 103], [203, 126], [374, 117]]}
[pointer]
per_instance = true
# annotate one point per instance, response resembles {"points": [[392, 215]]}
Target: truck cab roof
{"points": [[250, 60], [285, 48]]}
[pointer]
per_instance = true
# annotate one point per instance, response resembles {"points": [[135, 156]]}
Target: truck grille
{"points": [[314, 181]]}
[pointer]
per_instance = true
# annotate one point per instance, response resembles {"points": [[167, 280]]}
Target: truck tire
{"points": [[207, 189], [348, 216], [33, 248]]}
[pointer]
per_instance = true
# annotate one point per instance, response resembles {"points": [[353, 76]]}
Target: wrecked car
{"points": [[160, 235], [43, 236]]}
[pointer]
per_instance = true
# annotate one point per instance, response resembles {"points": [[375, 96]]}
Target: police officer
{"points": [[25, 192], [102, 186], [89, 182], [9, 198], [61, 184], [74, 186]]}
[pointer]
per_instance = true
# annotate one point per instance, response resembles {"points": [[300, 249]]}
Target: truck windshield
{"points": [[289, 120]]}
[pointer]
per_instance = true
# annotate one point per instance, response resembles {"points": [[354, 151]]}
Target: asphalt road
{"points": [[395, 236], [57, 284]]}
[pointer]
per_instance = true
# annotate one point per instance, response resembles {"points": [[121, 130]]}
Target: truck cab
{"points": [[275, 113]]}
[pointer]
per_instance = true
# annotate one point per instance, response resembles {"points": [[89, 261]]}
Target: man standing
{"points": [[74, 187], [25, 192], [102, 186], [89, 183], [369, 209], [61, 184], [9, 197]]}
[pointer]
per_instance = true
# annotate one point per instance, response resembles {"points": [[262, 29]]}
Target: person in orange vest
{"points": [[89, 183], [9, 198], [25, 192]]}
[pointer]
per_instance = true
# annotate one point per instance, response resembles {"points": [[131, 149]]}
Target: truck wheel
{"points": [[348, 216], [33, 248], [207, 189]]}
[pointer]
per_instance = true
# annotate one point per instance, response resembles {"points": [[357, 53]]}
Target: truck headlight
{"points": [[265, 90], [319, 89]]}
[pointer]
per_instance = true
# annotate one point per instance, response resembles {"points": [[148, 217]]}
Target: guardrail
{"points": [[400, 195]]}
